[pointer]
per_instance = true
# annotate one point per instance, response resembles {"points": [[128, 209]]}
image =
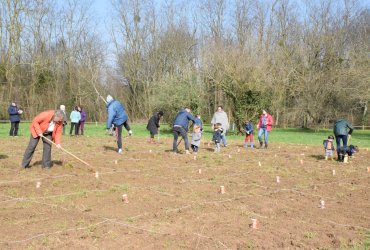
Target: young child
{"points": [[329, 147], [347, 151], [217, 136], [195, 138], [248, 129]]}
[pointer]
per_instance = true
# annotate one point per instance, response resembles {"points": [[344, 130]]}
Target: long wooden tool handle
{"points": [[66, 151]]}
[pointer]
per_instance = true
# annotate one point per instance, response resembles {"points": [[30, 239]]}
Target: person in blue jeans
{"points": [[180, 127], [118, 117], [265, 126], [342, 131]]}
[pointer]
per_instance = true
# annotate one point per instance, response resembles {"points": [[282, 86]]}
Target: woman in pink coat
{"points": [[265, 126]]}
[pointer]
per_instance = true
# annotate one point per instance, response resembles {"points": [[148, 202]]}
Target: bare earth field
{"points": [[173, 206]]}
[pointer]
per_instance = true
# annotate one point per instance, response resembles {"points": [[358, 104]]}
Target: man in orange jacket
{"points": [[48, 124]]}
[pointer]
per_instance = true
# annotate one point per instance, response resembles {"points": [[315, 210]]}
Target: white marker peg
{"points": [[222, 190], [322, 204], [238, 150], [195, 157], [125, 198], [301, 162], [96, 175], [278, 179], [150, 150], [229, 156], [275, 155], [345, 159], [116, 162], [368, 169], [254, 223], [333, 171], [199, 171], [259, 164], [38, 184]]}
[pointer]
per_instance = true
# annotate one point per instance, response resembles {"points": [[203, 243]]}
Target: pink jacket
{"points": [[269, 122]]}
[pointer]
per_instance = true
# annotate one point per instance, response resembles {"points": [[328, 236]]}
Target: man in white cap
{"points": [[63, 109], [118, 117]]}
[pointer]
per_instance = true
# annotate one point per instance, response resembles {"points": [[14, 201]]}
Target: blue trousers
{"points": [[265, 133], [343, 138]]}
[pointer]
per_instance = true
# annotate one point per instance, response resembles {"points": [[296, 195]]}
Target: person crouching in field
{"points": [[217, 136], [153, 125], [48, 124], [329, 147], [118, 117], [195, 138], [248, 129], [347, 151], [180, 127], [342, 132]]}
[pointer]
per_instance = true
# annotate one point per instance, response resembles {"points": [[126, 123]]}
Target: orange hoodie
{"points": [[41, 122]]}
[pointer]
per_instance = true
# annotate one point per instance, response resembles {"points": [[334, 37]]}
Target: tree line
{"points": [[306, 62]]}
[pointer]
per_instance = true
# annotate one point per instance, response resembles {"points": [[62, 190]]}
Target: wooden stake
{"points": [[84, 162]]}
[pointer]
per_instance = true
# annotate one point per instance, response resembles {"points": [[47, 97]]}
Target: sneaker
{"points": [[261, 144], [130, 132], [265, 145], [120, 150]]}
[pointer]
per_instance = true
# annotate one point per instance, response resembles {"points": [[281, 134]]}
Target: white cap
{"points": [[109, 98], [62, 107]]}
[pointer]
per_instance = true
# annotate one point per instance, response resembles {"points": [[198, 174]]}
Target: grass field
{"points": [[360, 138]]}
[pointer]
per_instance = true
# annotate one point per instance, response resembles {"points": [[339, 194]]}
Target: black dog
{"points": [[347, 150]]}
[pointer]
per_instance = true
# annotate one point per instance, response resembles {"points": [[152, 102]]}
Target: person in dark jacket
{"points": [[180, 127], [347, 150], [82, 120], [118, 117], [153, 125], [342, 131], [14, 117], [217, 136]]}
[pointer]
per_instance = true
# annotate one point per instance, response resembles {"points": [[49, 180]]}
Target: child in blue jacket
{"points": [[248, 129], [217, 136]]}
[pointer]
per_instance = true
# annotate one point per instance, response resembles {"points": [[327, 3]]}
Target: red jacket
{"points": [[41, 122], [269, 122]]}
